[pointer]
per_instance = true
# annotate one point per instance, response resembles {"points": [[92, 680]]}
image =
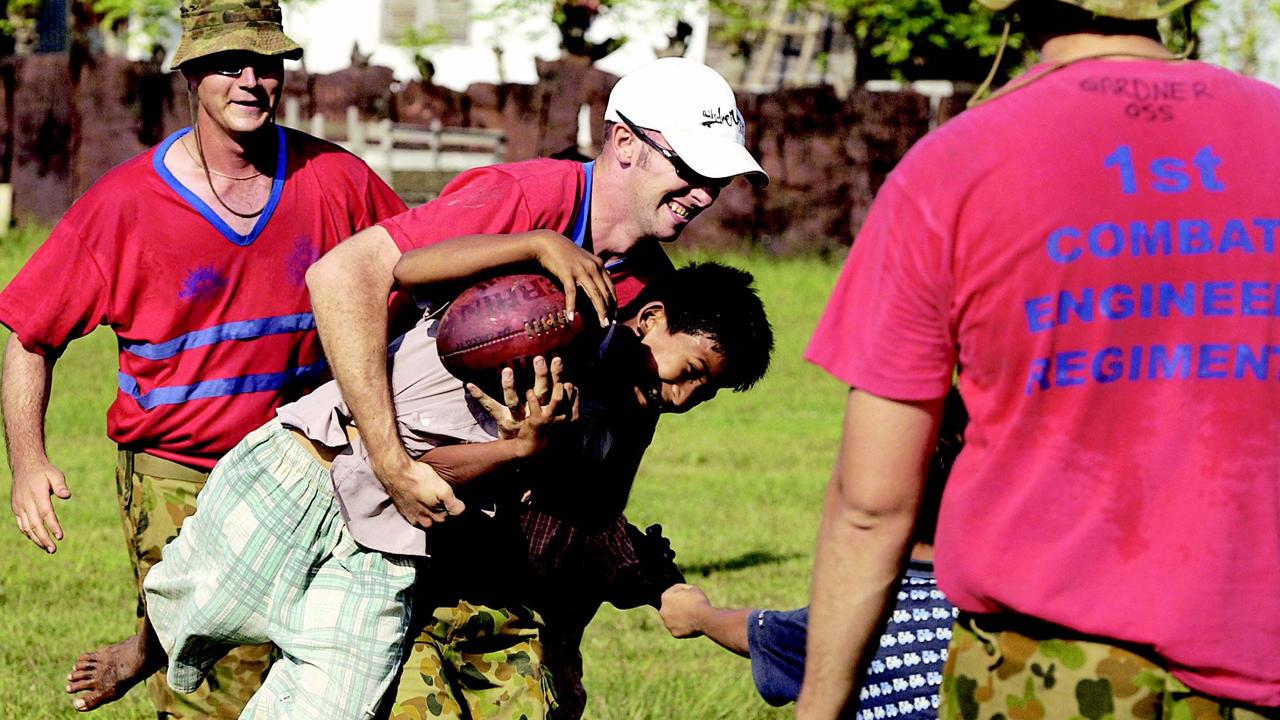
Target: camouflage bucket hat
{"points": [[214, 26], [1122, 9]]}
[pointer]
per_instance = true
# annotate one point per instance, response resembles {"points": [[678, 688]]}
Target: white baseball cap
{"points": [[694, 109]]}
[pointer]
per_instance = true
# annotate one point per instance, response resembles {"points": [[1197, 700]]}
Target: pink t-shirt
{"points": [[1096, 251]]}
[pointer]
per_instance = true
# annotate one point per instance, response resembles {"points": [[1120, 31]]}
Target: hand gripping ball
{"points": [[506, 321]]}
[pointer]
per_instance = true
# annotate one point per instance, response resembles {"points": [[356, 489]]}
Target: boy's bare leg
{"points": [[106, 674]]}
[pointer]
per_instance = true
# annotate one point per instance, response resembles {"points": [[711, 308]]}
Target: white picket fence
{"points": [[390, 147]]}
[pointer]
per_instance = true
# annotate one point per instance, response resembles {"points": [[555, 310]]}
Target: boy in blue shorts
{"points": [[903, 678]]}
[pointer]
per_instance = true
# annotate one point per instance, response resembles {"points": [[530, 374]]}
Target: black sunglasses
{"points": [[686, 173], [232, 64]]}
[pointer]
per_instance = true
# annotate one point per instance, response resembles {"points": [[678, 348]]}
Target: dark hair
{"points": [[955, 418], [718, 302], [1043, 20]]}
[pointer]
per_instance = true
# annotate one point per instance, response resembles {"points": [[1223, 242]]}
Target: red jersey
{"points": [[1096, 250], [516, 197], [215, 328]]}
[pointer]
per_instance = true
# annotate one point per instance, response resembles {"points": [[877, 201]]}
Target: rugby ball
{"points": [[504, 322]]}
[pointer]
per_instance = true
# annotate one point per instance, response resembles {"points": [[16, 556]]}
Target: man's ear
{"points": [[624, 143], [651, 317]]}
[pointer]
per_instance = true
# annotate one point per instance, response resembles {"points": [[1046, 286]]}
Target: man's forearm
{"points": [[855, 570], [26, 382], [349, 290], [866, 527]]}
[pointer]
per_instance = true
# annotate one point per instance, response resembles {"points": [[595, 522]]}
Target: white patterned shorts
{"points": [[267, 557]]}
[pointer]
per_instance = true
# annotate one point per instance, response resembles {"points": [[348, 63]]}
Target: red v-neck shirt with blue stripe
{"points": [[540, 194], [215, 328]]}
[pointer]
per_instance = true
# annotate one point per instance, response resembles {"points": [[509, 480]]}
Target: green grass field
{"points": [[737, 486]]}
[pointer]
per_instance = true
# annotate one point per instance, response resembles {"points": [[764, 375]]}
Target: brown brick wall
{"points": [[64, 127]]}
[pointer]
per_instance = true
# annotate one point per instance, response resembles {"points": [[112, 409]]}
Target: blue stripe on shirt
{"points": [[578, 233], [200, 206], [221, 387], [239, 330], [582, 221]]}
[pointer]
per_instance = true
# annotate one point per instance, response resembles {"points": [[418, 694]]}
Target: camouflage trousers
{"points": [[1005, 675], [473, 662], [156, 496]]}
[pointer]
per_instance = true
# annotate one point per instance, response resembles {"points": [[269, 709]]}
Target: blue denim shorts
{"points": [[902, 679], [775, 639]]}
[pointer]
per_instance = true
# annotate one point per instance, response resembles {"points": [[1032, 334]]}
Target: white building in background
{"points": [[328, 30]]}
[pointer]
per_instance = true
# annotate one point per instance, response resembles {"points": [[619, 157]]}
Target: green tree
{"points": [[18, 26], [1239, 34], [926, 39], [155, 21], [574, 18], [151, 21], [897, 39], [419, 41]]}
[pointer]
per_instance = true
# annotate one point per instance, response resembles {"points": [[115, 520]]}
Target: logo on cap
{"points": [[716, 116]]}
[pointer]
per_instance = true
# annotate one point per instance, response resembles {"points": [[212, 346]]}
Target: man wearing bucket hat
{"points": [[195, 253], [1094, 248]]}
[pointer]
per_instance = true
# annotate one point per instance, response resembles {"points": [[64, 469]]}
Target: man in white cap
{"points": [[674, 138]]}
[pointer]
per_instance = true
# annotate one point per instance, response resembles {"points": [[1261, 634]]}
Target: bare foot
{"points": [[106, 674]]}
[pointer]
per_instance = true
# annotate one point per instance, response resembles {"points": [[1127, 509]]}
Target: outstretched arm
{"points": [[525, 427], [349, 290], [866, 530], [26, 382], [687, 613], [466, 256]]}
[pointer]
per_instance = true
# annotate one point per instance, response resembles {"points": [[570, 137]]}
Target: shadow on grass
{"points": [[752, 559]]}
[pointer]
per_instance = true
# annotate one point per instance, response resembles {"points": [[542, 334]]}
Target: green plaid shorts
{"points": [[266, 557]]}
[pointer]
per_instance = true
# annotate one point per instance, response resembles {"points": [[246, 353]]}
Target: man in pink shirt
{"points": [[1094, 248]]}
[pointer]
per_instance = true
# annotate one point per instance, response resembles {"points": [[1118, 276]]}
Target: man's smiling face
{"points": [[663, 200], [238, 90]]}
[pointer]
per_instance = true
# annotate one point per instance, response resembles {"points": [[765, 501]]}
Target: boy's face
{"points": [[679, 371]]}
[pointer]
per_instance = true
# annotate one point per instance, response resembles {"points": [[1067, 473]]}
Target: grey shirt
{"points": [[432, 408]]}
